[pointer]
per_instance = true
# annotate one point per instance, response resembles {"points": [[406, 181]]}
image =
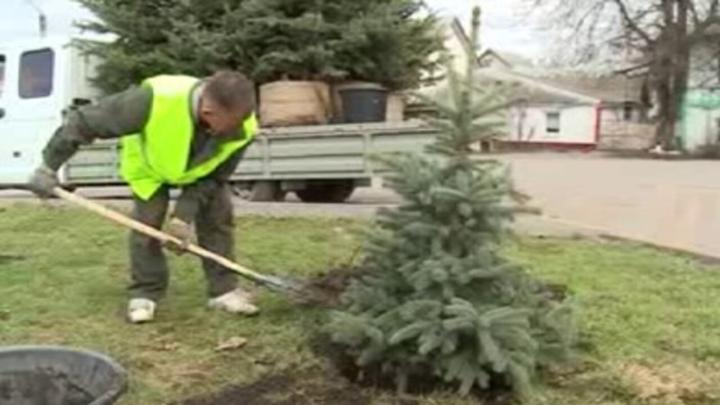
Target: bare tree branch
{"points": [[653, 38], [694, 13], [592, 12], [714, 7], [631, 69], [712, 63], [631, 23], [701, 28]]}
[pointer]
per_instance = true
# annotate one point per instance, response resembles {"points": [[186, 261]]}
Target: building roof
{"points": [[508, 59], [570, 88], [536, 85], [608, 88]]}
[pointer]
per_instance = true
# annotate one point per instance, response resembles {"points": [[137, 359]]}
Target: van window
{"points": [[36, 73], [2, 74]]}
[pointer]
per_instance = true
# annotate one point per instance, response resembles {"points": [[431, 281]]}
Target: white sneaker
{"points": [[141, 310], [236, 301]]}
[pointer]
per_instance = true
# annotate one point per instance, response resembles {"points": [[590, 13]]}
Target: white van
{"points": [[39, 77]]}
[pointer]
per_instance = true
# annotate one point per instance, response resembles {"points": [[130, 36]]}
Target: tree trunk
{"points": [[664, 135], [681, 66], [673, 60]]}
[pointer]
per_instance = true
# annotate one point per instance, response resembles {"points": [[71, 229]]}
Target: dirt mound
{"points": [[326, 289]]}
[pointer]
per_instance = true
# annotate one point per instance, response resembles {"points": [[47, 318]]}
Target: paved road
{"points": [[669, 203]]}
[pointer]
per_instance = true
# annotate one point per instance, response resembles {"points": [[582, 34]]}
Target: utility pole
{"points": [[42, 19]]}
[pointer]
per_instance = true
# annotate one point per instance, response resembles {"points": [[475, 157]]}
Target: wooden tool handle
{"points": [[158, 234]]}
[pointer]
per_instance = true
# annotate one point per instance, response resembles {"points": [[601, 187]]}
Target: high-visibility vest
{"points": [[159, 155]]}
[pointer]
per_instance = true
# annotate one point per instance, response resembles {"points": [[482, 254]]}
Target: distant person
{"points": [[177, 132]]}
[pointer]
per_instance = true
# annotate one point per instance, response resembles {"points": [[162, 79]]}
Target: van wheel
{"points": [[266, 191], [70, 188], [335, 192]]}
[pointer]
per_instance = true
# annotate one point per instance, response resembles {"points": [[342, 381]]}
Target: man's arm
{"points": [[111, 117], [197, 194]]}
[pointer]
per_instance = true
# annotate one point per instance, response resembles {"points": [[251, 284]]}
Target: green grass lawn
{"points": [[650, 320]]}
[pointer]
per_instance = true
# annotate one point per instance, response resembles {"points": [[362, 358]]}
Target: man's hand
{"points": [[182, 231], [42, 182]]}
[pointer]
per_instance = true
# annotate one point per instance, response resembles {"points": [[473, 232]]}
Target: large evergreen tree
{"points": [[439, 298], [388, 42], [161, 36], [380, 40], [290, 39]]}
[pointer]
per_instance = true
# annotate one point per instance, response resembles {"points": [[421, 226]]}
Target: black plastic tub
{"points": [[363, 102], [49, 375]]}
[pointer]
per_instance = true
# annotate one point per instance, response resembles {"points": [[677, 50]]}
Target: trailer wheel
{"points": [[71, 188], [336, 192], [266, 191]]}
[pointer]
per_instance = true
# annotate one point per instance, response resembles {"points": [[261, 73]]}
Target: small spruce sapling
{"points": [[439, 299]]}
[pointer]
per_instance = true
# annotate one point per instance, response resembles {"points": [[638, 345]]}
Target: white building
{"points": [[567, 111], [699, 124]]}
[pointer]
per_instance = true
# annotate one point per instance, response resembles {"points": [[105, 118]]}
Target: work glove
{"points": [[181, 230], [42, 182]]}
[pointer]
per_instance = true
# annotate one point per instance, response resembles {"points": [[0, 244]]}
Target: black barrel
{"points": [[363, 102], [49, 375]]}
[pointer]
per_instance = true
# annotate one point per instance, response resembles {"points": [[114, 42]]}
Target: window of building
{"points": [[628, 112], [553, 122], [36, 73], [2, 74]]}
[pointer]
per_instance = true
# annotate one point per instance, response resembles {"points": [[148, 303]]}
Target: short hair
{"points": [[231, 90]]}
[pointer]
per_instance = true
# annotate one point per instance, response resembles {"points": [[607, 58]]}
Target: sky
{"points": [[503, 29]]}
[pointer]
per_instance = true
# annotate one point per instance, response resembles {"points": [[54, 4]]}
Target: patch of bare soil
{"points": [[671, 383], [5, 259], [422, 383], [302, 387]]}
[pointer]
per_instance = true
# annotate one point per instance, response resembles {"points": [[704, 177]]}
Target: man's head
{"points": [[228, 98]]}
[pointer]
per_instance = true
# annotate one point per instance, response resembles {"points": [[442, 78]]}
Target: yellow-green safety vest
{"points": [[159, 155]]}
